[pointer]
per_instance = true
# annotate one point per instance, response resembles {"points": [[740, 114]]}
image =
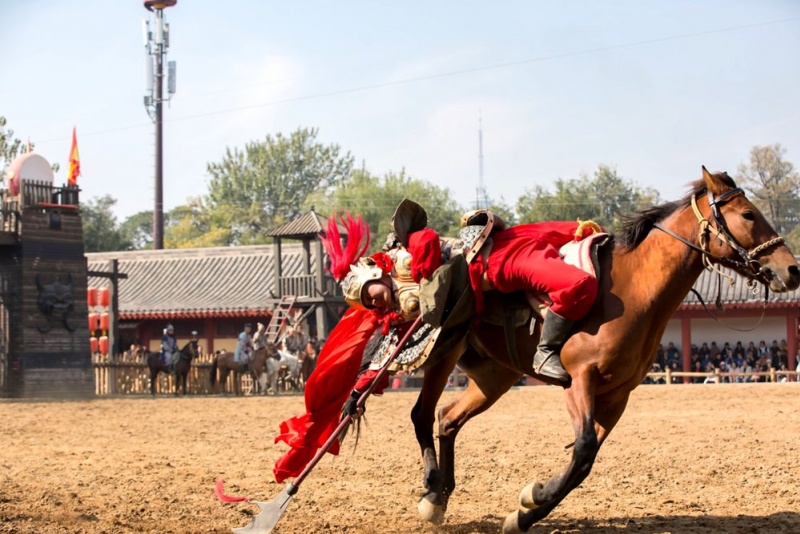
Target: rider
{"points": [[259, 337], [521, 258], [244, 347], [295, 341], [169, 346], [383, 289]]}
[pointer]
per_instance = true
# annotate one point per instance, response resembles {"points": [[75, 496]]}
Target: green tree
{"points": [[101, 232], [10, 147], [267, 183], [773, 184], [194, 225], [138, 230], [375, 199], [604, 198]]}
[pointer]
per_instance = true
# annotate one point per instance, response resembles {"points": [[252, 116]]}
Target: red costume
{"points": [[524, 257]]}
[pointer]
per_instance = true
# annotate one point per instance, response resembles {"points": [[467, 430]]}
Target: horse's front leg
{"points": [[153, 377], [489, 380], [432, 505], [591, 427]]}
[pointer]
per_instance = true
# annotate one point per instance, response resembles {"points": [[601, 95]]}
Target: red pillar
{"points": [[686, 346], [208, 327]]}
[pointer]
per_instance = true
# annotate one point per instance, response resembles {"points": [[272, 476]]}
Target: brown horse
{"points": [[643, 279], [226, 363], [182, 366]]}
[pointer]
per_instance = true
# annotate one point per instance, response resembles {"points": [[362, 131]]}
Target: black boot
{"points": [[547, 361]]}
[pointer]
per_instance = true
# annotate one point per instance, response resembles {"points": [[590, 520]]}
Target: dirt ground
{"points": [[686, 459]]}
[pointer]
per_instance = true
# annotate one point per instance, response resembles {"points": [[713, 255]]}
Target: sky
{"points": [[652, 89]]}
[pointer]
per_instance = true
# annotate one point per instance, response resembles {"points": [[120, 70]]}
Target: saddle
{"points": [[450, 285]]}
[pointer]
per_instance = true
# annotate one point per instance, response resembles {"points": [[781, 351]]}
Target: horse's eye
{"points": [[749, 215]]}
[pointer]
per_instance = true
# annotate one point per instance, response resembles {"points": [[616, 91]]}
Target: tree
{"points": [[194, 225], [100, 230], [375, 199], [10, 148], [774, 185], [138, 230], [603, 198], [267, 183]]}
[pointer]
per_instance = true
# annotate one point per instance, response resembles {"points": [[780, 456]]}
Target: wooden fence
{"points": [[125, 376]]}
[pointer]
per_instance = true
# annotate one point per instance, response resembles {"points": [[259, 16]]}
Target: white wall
{"points": [[708, 330]]}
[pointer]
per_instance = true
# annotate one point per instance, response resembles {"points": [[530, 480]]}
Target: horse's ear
{"points": [[714, 183]]}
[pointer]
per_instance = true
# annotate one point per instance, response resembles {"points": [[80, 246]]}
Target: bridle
{"points": [[747, 264]]}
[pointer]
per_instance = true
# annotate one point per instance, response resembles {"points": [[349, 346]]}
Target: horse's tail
{"points": [[214, 372]]}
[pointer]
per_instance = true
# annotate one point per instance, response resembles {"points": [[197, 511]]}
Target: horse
{"points": [[283, 372], [226, 363], [182, 366], [644, 275], [307, 358]]}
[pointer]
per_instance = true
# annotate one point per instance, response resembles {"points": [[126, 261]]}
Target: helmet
{"points": [[365, 270], [170, 327]]}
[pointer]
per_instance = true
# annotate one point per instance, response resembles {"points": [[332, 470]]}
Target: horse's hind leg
{"points": [[489, 380], [431, 506], [591, 428]]}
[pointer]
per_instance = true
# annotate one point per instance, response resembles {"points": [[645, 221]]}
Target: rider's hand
{"points": [[351, 406]]}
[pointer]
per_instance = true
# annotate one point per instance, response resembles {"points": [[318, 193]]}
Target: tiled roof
{"points": [[204, 282], [738, 295], [309, 224], [236, 281]]}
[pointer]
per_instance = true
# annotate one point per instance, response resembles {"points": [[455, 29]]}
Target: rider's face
{"points": [[377, 294]]}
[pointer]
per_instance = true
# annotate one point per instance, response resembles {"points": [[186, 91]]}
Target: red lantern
{"points": [[91, 296], [104, 296], [93, 343], [104, 321], [94, 322], [103, 344]]}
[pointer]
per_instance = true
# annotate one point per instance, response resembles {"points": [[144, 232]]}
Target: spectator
{"points": [[673, 354], [738, 350]]}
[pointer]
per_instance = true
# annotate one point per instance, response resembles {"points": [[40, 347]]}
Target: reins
{"points": [[749, 266]]}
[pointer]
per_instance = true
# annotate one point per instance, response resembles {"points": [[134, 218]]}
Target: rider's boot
{"points": [[547, 360], [172, 368]]}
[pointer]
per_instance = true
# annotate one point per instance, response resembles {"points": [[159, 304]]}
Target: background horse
{"points": [[182, 366], [642, 281], [225, 363], [283, 372]]}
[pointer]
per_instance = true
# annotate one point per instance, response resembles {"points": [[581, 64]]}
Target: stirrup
{"points": [[551, 367]]}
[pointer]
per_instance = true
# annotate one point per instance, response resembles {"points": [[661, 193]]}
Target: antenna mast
{"points": [[156, 41], [481, 199]]}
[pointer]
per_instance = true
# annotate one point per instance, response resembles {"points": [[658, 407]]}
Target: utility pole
{"points": [[157, 42]]}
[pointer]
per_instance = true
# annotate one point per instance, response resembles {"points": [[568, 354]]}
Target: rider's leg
{"points": [[547, 360]]}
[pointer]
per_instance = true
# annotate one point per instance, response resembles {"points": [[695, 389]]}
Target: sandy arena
{"points": [[687, 459]]}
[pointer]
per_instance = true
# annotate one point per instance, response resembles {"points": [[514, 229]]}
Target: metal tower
{"points": [[481, 198], [156, 42]]}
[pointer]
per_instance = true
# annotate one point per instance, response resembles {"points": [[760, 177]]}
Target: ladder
{"points": [[280, 316]]}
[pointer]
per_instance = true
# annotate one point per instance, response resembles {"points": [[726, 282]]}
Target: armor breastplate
{"points": [[406, 290]]}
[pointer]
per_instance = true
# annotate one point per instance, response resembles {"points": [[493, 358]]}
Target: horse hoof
{"points": [[430, 512], [511, 524], [526, 497]]}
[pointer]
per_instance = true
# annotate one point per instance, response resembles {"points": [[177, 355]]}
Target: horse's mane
{"points": [[637, 226]]}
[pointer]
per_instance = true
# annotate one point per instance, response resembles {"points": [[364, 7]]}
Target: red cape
{"points": [[326, 391]]}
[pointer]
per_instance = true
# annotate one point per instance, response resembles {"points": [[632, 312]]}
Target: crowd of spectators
{"points": [[726, 359]]}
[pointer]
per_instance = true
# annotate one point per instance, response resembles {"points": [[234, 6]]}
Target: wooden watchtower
{"points": [[44, 335], [313, 286]]}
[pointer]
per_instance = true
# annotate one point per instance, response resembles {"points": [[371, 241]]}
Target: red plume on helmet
{"points": [[342, 258]]}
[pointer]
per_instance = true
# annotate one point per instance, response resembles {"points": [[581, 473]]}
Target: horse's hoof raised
{"points": [[430, 512], [526, 497], [511, 524]]}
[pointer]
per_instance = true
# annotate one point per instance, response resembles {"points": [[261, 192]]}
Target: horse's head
{"points": [[189, 350], [735, 233]]}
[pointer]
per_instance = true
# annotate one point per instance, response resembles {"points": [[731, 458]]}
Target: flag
{"points": [[74, 162]]}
